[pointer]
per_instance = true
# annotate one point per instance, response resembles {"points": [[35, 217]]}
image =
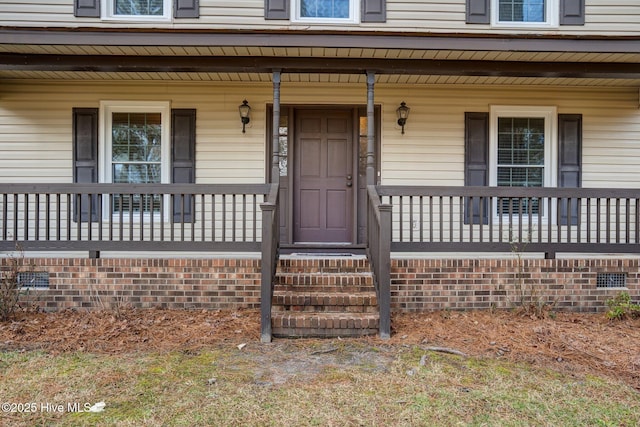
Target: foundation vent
{"points": [[612, 280], [37, 279]]}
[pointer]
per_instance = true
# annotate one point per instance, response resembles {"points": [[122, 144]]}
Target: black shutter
{"points": [[86, 8], [276, 9], [478, 11], [85, 160], [569, 162], [186, 9], [183, 160], [571, 12], [374, 11], [476, 164]]}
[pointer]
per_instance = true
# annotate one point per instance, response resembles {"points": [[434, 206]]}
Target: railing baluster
{"points": [[598, 219], [627, 217], [69, 216], [450, 219], [617, 220], [99, 216], [637, 225], [608, 210], [420, 222], [202, 217], [589, 220], [224, 217], [244, 217], [233, 217], [411, 218], [401, 198], [569, 219]]}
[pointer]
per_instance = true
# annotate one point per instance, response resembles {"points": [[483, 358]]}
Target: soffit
{"points": [[322, 52]]}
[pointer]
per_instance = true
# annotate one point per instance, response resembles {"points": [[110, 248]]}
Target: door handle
{"points": [[349, 177], [349, 183]]}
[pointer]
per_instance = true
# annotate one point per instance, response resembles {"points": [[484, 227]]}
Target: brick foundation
{"points": [[168, 283], [462, 284], [416, 284]]}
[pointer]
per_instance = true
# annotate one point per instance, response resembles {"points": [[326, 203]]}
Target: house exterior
{"points": [[130, 163]]}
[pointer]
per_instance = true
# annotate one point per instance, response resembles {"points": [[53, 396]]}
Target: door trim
{"points": [[286, 214]]}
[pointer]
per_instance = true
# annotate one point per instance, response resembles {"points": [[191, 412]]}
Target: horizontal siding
{"points": [[35, 126], [603, 17]]}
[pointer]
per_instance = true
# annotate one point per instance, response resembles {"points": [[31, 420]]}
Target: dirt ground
{"points": [[567, 342]]}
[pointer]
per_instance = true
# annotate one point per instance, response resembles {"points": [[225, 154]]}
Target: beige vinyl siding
{"points": [[35, 126], [432, 150], [603, 17], [36, 120]]}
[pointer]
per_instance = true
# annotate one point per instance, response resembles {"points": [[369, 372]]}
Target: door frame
{"points": [[287, 183]]}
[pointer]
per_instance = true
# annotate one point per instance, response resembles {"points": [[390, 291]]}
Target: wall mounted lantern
{"points": [[403, 113], [245, 111]]}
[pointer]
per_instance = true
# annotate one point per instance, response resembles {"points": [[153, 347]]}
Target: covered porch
{"points": [[424, 195]]}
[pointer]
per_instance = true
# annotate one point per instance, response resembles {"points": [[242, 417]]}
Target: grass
{"points": [[266, 385]]}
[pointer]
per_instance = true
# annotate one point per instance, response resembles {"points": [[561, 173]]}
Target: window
{"points": [[523, 149], [137, 10], [135, 142], [524, 13], [326, 11]]}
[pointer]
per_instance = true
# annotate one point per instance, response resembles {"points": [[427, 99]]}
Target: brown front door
{"points": [[323, 180]]}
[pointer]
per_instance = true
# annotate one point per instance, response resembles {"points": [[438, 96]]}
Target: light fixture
{"points": [[402, 113], [245, 111]]}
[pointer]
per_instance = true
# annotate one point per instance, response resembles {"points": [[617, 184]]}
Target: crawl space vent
{"points": [[612, 280], [39, 280]]}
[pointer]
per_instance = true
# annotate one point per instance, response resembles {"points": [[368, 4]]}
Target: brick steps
{"points": [[302, 324], [324, 297]]}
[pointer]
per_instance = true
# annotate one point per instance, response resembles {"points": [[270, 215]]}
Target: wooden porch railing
{"points": [[132, 217], [270, 255], [378, 251], [501, 219]]}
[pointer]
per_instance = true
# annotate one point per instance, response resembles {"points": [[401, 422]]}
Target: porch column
{"points": [[275, 142], [371, 129]]}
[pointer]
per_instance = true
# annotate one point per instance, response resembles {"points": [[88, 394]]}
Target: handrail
{"points": [[270, 254], [131, 217], [497, 219], [379, 254]]}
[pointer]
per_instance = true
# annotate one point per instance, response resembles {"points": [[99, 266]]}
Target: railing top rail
{"points": [[407, 190], [73, 188]]}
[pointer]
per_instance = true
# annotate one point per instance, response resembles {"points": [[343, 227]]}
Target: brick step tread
{"points": [[307, 278], [303, 320], [332, 270], [323, 309], [322, 333], [324, 288], [324, 298]]}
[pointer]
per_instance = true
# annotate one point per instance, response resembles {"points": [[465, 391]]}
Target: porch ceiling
{"points": [[83, 54]]}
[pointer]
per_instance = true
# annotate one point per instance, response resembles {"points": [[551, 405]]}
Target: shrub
{"points": [[621, 307]]}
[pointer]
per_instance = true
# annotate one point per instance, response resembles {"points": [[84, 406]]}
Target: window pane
{"points": [[324, 9], [136, 137], [139, 7], [521, 10], [283, 145], [136, 173]]}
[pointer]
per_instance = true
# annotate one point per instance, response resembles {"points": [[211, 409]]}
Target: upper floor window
{"points": [[137, 10], [524, 13], [326, 11]]}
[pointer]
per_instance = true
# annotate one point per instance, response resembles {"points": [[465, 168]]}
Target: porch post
{"points": [[275, 142], [371, 129]]}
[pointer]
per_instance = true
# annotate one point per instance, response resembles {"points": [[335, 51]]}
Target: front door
{"points": [[323, 176]]}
